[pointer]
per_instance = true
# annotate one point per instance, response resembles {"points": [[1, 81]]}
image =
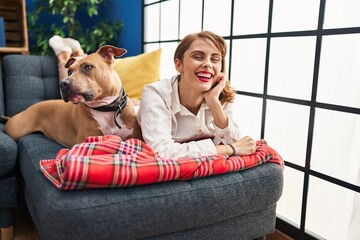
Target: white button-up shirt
{"points": [[173, 131]]}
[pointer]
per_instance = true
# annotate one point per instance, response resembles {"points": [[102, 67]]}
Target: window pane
{"points": [[250, 16], [330, 209], [289, 206], [336, 145], [217, 16], [295, 15], [340, 13], [286, 130], [248, 65], [151, 47], [247, 112], [167, 67], [339, 72], [169, 20], [151, 22], [190, 17], [291, 67]]}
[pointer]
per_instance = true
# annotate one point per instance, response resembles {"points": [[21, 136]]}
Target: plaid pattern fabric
{"points": [[107, 161]]}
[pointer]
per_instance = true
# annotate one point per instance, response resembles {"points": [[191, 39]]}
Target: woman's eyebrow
{"points": [[196, 51]]}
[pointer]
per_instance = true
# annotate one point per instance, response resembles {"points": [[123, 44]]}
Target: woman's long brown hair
{"points": [[227, 95]]}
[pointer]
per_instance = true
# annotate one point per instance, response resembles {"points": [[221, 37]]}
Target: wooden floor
{"points": [[24, 228], [277, 235]]}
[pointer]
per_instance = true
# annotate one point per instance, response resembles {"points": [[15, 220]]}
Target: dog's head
{"points": [[92, 77]]}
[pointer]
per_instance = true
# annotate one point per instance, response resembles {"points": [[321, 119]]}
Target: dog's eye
{"points": [[69, 72], [87, 67]]}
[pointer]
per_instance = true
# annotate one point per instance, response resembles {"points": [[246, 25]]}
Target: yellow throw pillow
{"points": [[137, 71]]}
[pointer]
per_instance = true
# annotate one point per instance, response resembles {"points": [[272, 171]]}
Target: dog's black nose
{"points": [[65, 84]]}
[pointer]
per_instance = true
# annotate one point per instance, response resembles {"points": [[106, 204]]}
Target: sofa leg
{"points": [[7, 233]]}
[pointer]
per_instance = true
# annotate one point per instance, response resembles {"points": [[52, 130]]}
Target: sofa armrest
{"points": [[8, 188], [8, 152], [2, 106]]}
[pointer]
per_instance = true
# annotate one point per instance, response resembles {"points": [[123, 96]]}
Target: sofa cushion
{"points": [[145, 211], [136, 71], [29, 79]]}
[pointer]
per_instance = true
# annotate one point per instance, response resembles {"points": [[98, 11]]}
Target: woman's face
{"points": [[200, 66]]}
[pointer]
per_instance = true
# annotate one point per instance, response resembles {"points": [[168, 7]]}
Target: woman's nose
{"points": [[207, 63]]}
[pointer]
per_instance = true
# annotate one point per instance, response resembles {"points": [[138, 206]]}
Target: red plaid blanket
{"points": [[107, 161]]}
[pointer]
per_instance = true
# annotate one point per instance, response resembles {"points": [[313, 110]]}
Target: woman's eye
{"points": [[87, 67], [69, 72], [215, 59]]}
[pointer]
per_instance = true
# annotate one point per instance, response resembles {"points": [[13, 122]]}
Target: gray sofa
{"points": [[239, 205]]}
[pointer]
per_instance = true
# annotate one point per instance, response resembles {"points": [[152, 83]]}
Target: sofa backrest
{"points": [[28, 79]]}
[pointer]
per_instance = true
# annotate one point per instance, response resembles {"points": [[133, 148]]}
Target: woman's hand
{"points": [[213, 94], [212, 99], [245, 146]]}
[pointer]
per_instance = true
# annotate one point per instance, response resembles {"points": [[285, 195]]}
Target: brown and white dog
{"points": [[98, 104]]}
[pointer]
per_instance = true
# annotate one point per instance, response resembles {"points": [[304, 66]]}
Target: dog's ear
{"points": [[108, 52], [70, 62]]}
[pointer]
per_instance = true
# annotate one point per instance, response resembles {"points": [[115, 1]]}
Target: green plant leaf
{"points": [[91, 38]]}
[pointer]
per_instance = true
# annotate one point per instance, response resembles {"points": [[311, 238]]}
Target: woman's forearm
{"points": [[220, 118]]}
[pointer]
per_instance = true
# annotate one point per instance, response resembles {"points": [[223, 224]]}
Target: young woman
{"points": [[190, 115]]}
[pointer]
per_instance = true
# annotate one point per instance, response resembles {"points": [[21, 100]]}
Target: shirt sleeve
{"points": [[231, 133], [156, 120]]}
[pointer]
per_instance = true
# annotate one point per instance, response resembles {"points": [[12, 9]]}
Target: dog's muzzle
{"points": [[69, 93]]}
